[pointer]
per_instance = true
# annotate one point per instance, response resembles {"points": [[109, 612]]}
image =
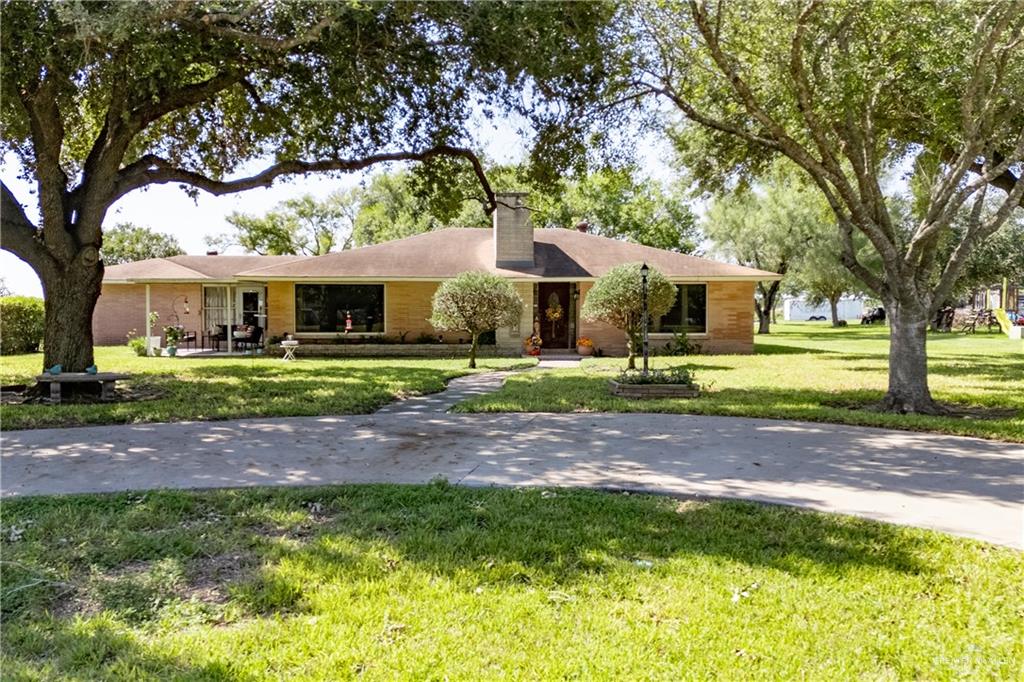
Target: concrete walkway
{"points": [[964, 486], [457, 390]]}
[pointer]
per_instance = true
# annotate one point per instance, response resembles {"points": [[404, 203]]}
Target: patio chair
{"points": [[217, 335], [188, 340], [252, 340]]}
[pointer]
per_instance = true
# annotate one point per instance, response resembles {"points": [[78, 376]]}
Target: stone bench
{"points": [[106, 380]]}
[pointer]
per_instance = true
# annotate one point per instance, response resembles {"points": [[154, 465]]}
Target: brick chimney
{"points": [[513, 233]]}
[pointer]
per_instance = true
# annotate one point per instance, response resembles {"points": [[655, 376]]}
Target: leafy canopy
{"points": [[615, 202], [305, 226], [475, 302], [126, 242], [617, 298], [101, 99], [850, 92]]}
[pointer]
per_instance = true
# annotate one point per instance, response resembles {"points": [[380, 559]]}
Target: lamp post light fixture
{"points": [[174, 309], [644, 270]]}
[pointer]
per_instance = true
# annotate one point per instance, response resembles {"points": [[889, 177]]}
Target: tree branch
{"points": [[1005, 181], [154, 170], [19, 235], [213, 24]]}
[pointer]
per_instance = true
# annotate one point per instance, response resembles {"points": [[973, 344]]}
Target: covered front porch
{"points": [[231, 320]]}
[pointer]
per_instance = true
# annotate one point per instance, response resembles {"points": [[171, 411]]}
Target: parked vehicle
{"points": [[872, 316]]}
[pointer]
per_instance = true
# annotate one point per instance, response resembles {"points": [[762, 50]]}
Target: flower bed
{"points": [[676, 382]]}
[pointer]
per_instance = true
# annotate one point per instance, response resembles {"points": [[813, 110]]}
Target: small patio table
{"points": [[289, 350]]}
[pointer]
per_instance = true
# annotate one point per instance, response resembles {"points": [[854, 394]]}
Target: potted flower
{"points": [[173, 334], [584, 346], [532, 344]]}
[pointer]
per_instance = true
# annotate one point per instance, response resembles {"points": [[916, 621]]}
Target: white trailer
{"points": [[799, 310]]}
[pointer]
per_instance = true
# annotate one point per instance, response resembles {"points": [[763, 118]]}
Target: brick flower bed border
{"points": [[653, 390], [396, 350]]}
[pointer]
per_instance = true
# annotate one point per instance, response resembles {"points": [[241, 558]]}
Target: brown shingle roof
{"points": [[190, 268], [558, 253]]}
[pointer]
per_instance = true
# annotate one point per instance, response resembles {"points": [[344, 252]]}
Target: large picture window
{"points": [[325, 308], [689, 313]]}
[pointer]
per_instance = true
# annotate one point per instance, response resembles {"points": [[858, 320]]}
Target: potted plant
{"points": [[173, 334], [584, 346], [532, 344]]}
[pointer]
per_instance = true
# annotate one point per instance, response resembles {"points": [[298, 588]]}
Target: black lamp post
{"points": [[643, 289]]}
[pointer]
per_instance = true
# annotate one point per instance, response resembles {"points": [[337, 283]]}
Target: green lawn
{"points": [[439, 582], [803, 371], [224, 388]]}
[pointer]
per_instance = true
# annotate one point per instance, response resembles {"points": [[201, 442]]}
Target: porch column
{"points": [[149, 350], [231, 321]]}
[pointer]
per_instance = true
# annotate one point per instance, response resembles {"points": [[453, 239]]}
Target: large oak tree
{"points": [[102, 99], [850, 92]]}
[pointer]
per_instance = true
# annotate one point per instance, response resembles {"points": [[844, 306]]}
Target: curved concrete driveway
{"points": [[964, 486]]}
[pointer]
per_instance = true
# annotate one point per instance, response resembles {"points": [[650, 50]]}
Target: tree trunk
{"points": [[765, 306], [834, 304], [764, 320], [630, 351], [472, 349], [70, 299], [908, 361]]}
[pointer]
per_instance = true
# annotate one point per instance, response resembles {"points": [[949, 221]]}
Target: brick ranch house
{"points": [[386, 289]]}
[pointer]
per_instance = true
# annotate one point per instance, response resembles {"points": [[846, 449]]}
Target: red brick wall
{"points": [[122, 308], [730, 322]]}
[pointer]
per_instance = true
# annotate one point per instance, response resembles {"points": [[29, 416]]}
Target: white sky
{"points": [[168, 209]]}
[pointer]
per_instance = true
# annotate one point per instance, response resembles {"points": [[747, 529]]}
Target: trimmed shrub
{"points": [[475, 302], [22, 321], [617, 299]]}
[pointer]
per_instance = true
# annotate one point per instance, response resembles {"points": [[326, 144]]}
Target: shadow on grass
{"points": [[225, 392], [471, 536], [779, 349], [98, 649]]}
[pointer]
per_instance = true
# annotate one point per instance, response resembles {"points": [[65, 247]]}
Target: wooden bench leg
{"points": [[55, 391]]}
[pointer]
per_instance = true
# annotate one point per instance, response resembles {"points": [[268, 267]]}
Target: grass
{"points": [[804, 371], [225, 388], [432, 582]]}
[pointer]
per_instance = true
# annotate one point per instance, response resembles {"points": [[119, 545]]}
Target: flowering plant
{"points": [[533, 340], [585, 342]]}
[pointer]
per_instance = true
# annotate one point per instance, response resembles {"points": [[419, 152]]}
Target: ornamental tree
{"points": [[617, 299], [475, 302], [102, 99], [854, 93]]}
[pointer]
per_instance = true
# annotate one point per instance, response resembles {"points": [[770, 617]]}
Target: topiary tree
{"points": [[617, 298], [475, 302], [21, 324]]}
